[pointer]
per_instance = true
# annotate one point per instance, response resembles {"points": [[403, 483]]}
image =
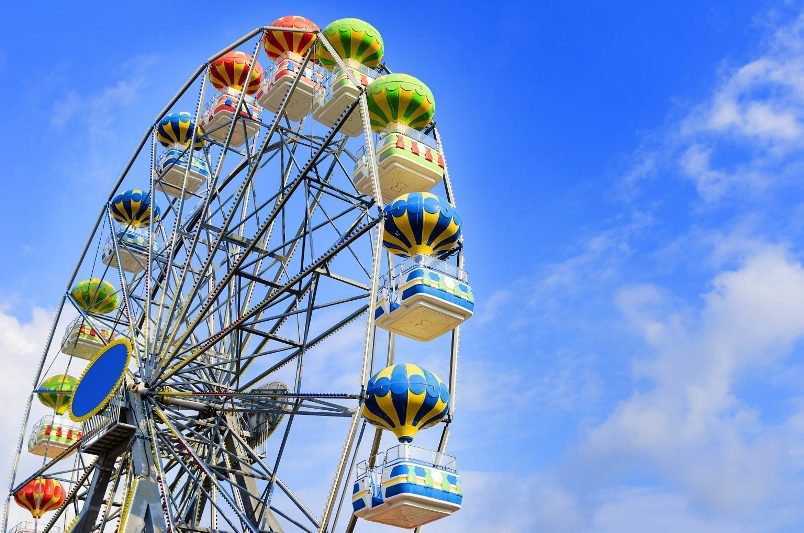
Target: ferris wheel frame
{"points": [[150, 359]]}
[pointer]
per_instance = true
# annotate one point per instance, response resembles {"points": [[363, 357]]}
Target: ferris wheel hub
{"points": [[139, 387]]}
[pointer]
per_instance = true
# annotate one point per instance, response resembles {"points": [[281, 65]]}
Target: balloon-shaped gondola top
{"points": [[177, 128], [405, 398], [40, 495], [399, 98], [352, 39], [133, 208], [231, 69], [56, 392], [95, 296], [420, 223], [279, 43]]}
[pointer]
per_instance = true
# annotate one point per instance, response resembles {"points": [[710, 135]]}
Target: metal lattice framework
{"points": [[248, 283]]}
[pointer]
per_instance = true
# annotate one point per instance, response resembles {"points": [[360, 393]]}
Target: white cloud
{"points": [[508, 502], [746, 137], [96, 114], [596, 261], [636, 510], [65, 109], [718, 308], [21, 345], [737, 107], [696, 163], [634, 300], [492, 306], [690, 427], [763, 100]]}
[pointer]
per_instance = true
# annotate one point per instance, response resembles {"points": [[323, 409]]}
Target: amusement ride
{"points": [[204, 350]]}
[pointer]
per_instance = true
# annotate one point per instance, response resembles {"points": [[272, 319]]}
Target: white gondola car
{"points": [[218, 115], [407, 161], [329, 103], [424, 298], [133, 248], [411, 488], [31, 527], [276, 84], [52, 435], [83, 341], [172, 166]]}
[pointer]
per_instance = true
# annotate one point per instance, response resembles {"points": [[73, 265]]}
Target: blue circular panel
{"points": [[100, 380]]}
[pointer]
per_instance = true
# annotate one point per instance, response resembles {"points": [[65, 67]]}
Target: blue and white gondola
{"points": [[408, 491], [133, 248], [172, 166], [423, 301]]}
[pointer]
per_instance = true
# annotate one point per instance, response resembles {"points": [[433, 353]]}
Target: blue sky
{"points": [[629, 177]]}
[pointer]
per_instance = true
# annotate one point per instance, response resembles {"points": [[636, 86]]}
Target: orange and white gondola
{"points": [[229, 75], [286, 48]]}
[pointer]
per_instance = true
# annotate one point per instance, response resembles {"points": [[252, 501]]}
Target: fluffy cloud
{"points": [[746, 136], [738, 107], [758, 108], [21, 344], [97, 114], [698, 313], [689, 426], [636, 510], [506, 503]]}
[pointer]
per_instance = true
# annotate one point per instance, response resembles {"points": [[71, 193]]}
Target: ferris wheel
{"points": [[234, 314]]}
